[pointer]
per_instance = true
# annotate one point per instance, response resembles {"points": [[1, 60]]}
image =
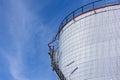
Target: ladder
{"points": [[54, 64]]}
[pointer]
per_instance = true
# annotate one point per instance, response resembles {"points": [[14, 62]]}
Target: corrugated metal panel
{"points": [[91, 46]]}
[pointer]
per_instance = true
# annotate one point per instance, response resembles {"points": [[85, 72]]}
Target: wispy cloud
{"points": [[15, 66], [23, 27], [16, 20]]}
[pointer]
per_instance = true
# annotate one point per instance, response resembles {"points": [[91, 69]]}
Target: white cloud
{"points": [[22, 28], [15, 66], [16, 20]]}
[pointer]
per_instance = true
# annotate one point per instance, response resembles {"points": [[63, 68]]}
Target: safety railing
{"points": [[81, 10], [85, 8]]}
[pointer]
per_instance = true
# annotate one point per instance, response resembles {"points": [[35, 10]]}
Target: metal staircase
{"points": [[54, 64]]}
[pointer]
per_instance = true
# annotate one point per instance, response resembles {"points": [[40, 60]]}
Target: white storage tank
{"points": [[89, 44]]}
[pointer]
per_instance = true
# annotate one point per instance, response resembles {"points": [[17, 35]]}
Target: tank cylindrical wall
{"points": [[89, 46]]}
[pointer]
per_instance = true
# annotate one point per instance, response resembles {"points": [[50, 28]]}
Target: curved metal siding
{"points": [[89, 47]]}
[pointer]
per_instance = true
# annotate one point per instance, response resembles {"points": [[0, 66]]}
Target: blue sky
{"points": [[26, 26]]}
